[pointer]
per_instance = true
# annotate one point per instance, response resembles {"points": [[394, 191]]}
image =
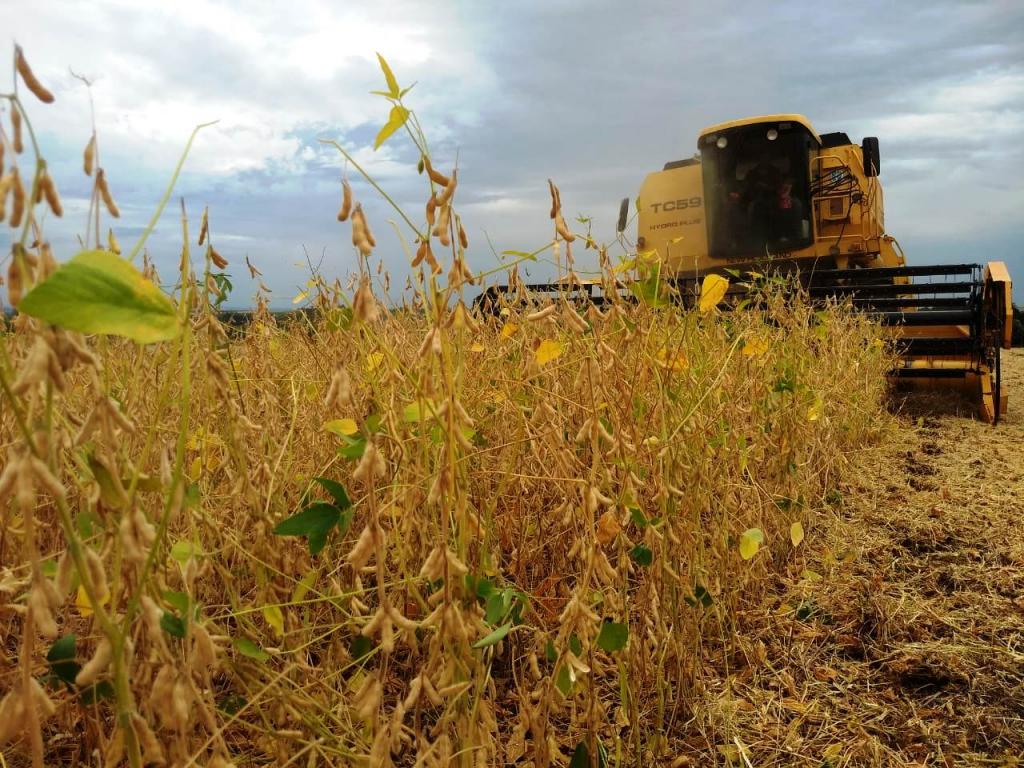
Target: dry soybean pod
{"points": [[18, 209], [89, 155], [49, 192], [108, 199], [204, 226], [31, 81], [346, 201], [563, 229], [5, 185], [218, 261], [421, 254], [431, 211], [369, 233], [449, 190], [360, 231], [435, 176], [16, 129], [443, 229], [556, 199]]}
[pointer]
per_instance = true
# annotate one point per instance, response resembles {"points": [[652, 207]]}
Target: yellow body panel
{"points": [[787, 118], [672, 217]]}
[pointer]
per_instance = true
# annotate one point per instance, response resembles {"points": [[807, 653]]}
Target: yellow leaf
{"points": [[373, 361], [417, 411], [796, 533], [750, 542], [755, 345], [389, 78], [816, 409], [712, 291], [83, 604], [342, 426], [608, 527], [304, 585], [833, 751], [196, 469], [275, 618], [548, 351], [478, 347], [300, 297], [508, 330], [674, 361], [396, 120]]}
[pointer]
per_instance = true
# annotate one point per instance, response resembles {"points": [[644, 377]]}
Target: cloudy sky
{"points": [[592, 94]]}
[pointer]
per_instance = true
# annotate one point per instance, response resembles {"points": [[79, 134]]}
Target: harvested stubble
{"points": [[612, 482]]}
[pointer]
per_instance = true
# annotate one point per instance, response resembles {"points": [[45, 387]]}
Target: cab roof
{"points": [[727, 126]]}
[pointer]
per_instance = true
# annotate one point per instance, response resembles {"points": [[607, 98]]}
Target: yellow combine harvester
{"points": [[769, 194]]}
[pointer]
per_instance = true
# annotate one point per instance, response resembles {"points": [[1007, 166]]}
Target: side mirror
{"points": [[623, 215], [872, 158]]}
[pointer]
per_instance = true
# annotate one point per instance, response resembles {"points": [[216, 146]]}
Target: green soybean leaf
{"points": [[316, 517], [172, 625], [550, 653], [99, 292], [494, 636], [337, 492], [360, 647], [317, 540], [231, 704], [112, 491], [612, 637], [702, 596], [61, 658], [638, 517], [395, 121], [575, 645], [247, 647], [563, 680], [97, 693], [642, 555], [580, 756], [179, 601], [353, 449], [389, 77], [183, 551]]}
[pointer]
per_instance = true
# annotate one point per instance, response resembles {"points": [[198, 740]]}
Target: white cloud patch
{"points": [[160, 70]]}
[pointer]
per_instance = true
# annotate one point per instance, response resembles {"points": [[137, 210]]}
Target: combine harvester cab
{"points": [[770, 195]]}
